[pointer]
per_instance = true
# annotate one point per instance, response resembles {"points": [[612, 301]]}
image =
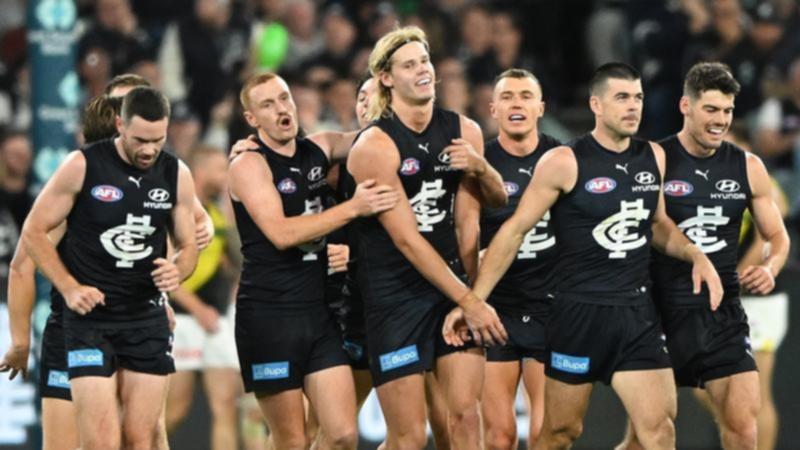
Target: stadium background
{"points": [[57, 54]]}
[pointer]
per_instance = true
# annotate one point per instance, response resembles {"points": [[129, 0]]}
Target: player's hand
{"points": [[757, 280], [16, 361], [483, 322], [370, 198], [82, 299], [250, 143], [208, 318], [166, 276], [201, 235], [338, 256], [455, 329], [703, 272], [463, 156]]}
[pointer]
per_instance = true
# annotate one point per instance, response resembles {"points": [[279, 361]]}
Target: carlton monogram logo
{"points": [[158, 195], [535, 242], [698, 228], [618, 234], [727, 186], [311, 248], [125, 242], [424, 205]]}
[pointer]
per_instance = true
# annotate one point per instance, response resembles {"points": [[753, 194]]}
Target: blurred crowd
{"points": [[198, 52]]}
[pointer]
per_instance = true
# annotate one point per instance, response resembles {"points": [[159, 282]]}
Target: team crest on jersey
{"points": [[511, 187], [678, 188], [410, 166], [287, 186], [107, 193], [600, 185]]}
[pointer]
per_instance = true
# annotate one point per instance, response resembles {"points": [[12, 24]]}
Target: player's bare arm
{"points": [[466, 154], [335, 144], [760, 278], [250, 180], [670, 240], [50, 209], [204, 226], [467, 214], [170, 272]]}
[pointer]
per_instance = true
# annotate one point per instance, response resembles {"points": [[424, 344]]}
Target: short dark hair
{"points": [[99, 118], [616, 70], [145, 102], [125, 80], [710, 76]]}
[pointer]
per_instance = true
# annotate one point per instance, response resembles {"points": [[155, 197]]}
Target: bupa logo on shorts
{"points": [[58, 378], [287, 186], [600, 185], [107, 193], [87, 357], [570, 364], [511, 187], [727, 186], [410, 166], [271, 371], [678, 188], [399, 358]]}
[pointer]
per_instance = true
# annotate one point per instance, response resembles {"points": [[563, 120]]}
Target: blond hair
{"points": [[253, 81], [380, 61]]}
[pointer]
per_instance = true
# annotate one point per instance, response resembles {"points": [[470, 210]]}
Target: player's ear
{"points": [[685, 104], [595, 105]]}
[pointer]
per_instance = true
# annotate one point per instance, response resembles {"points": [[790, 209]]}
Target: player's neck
{"points": [[522, 146], [415, 117], [13, 183], [692, 146], [287, 148], [121, 151], [611, 141]]}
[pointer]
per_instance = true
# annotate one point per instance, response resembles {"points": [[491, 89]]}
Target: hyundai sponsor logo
{"points": [[645, 178], [568, 363], [600, 185], [87, 357], [399, 358], [271, 371], [727, 186], [107, 193]]}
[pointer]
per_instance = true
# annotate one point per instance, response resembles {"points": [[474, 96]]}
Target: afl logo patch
{"points": [[107, 193], [158, 195], [410, 166], [600, 185], [678, 188], [287, 186], [511, 187]]}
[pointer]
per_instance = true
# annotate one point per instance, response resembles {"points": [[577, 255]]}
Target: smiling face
{"points": [[271, 110], [618, 106], [517, 106], [708, 117], [411, 75]]}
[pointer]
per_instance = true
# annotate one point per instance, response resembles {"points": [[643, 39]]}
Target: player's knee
{"points": [[744, 426], [563, 436], [412, 439], [294, 441], [100, 441], [176, 411], [344, 439], [501, 437], [468, 418], [663, 433]]}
